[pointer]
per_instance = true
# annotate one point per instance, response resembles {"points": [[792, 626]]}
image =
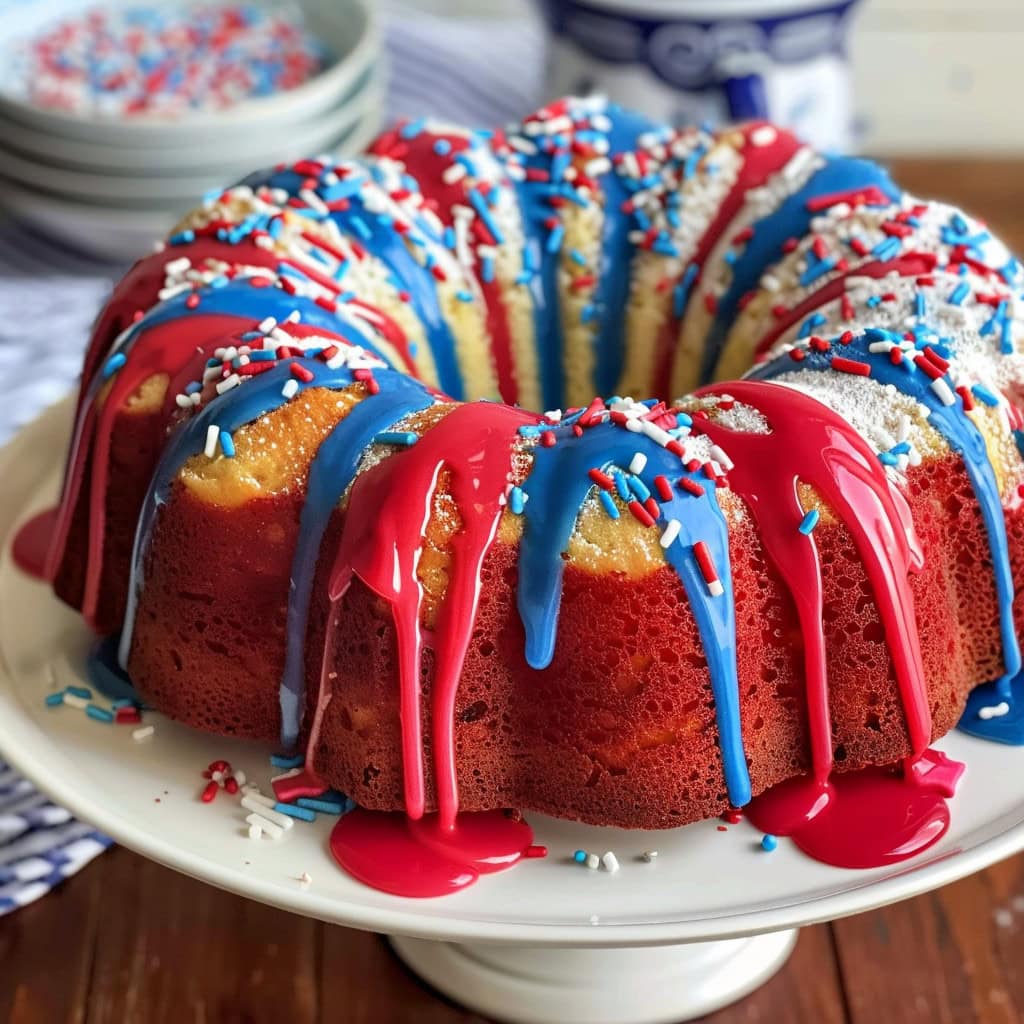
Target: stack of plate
{"points": [[110, 186]]}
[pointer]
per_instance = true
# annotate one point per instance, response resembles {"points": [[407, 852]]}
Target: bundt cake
{"points": [[339, 478]]}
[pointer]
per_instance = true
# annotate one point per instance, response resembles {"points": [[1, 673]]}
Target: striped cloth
{"points": [[484, 71]]}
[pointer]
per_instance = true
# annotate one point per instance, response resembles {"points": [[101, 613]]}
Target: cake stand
{"points": [[707, 922]]}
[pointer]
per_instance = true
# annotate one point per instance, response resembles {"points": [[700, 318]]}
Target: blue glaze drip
{"points": [[387, 245], [556, 488], [332, 470], [1008, 728], [244, 404], [964, 438], [611, 295], [792, 219], [239, 298], [544, 291], [104, 672]]}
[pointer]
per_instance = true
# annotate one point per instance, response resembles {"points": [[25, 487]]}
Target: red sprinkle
{"points": [[301, 372], [844, 365], [690, 485], [209, 792], [603, 480], [640, 513], [663, 487]]}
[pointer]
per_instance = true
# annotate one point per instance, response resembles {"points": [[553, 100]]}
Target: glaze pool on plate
{"points": [[705, 884]]}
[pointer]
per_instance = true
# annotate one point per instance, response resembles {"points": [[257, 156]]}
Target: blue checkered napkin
{"points": [[40, 843]]}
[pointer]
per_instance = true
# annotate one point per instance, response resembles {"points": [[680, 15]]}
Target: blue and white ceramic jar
{"points": [[692, 60]]}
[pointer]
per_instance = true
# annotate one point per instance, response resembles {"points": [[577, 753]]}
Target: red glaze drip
{"points": [[428, 167], [759, 163], [140, 288], [811, 444], [863, 819], [381, 544], [422, 857], [910, 265], [31, 547], [164, 349]]}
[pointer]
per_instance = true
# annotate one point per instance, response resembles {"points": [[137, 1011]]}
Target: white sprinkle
{"points": [[266, 326], [240, 778], [178, 266], [715, 588], [265, 825], [637, 463], [305, 879], [610, 862], [228, 383], [74, 701], [212, 437], [313, 201], [255, 832], [992, 711], [670, 532], [183, 401], [279, 819], [719, 456], [763, 136], [655, 433], [942, 389], [139, 734], [593, 861], [217, 776], [252, 793], [291, 388], [450, 175], [649, 856]]}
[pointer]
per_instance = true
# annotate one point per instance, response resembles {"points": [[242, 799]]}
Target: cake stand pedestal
{"points": [[663, 939], [564, 985]]}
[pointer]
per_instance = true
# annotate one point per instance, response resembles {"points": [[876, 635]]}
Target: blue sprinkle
{"points": [[122, 702], [621, 485], [464, 295], [54, 699], [609, 504], [182, 238], [402, 437], [639, 488], [79, 691], [325, 806], [362, 229], [113, 364], [888, 459], [554, 242], [903, 448], [517, 500], [959, 293], [413, 128], [227, 444], [442, 147], [99, 714], [769, 843], [809, 522], [487, 269], [302, 813], [287, 760], [580, 856], [577, 257]]}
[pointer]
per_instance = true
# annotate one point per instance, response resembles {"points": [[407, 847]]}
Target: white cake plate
{"points": [[549, 941]]}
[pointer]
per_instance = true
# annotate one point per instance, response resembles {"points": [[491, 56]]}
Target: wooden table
{"points": [[127, 941]]}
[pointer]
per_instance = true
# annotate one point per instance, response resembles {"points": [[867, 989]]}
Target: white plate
{"points": [[151, 188], [250, 150], [120, 233], [705, 884], [345, 26]]}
